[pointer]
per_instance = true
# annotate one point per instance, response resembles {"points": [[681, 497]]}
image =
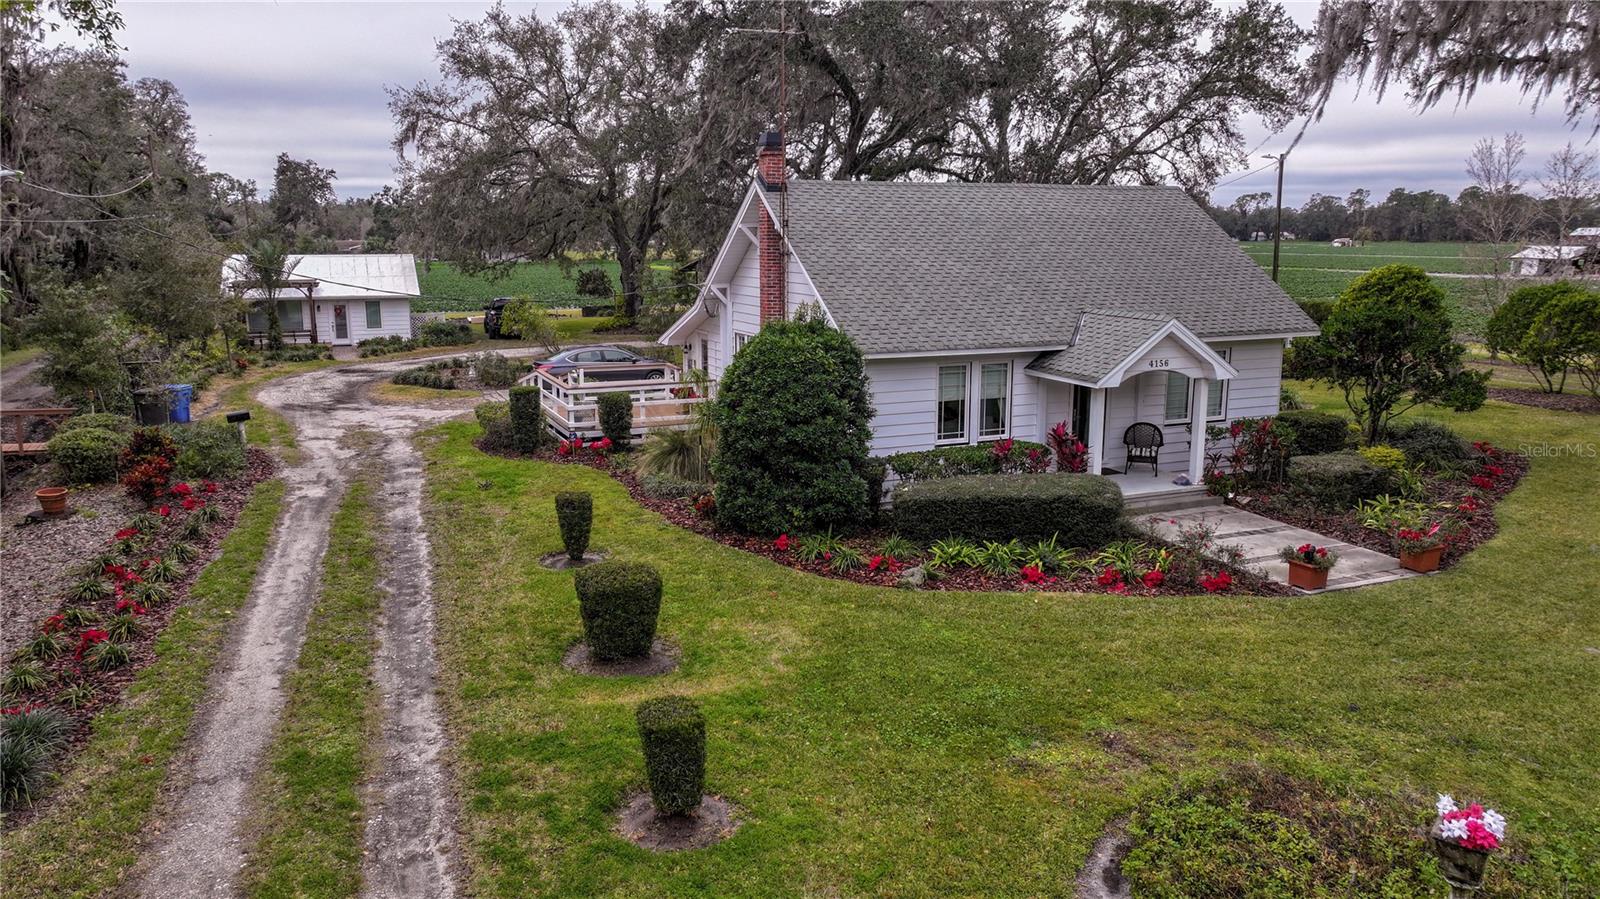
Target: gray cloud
{"points": [[311, 79]]}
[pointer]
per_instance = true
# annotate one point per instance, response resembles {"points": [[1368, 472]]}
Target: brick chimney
{"points": [[770, 175]]}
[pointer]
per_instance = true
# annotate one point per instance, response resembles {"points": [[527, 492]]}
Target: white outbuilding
{"points": [[334, 298]]}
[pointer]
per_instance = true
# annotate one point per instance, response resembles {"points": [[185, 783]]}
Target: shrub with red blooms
{"points": [[576, 447], [1109, 577], [1035, 576], [129, 605], [884, 563], [782, 543], [89, 638], [1071, 453], [191, 503], [54, 624], [124, 534], [1216, 583], [210, 487], [164, 511], [147, 481], [1154, 578], [705, 506], [1482, 482]]}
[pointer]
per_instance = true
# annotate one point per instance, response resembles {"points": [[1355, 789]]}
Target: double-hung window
{"points": [[1180, 389], [374, 315], [994, 410], [951, 404], [739, 340]]}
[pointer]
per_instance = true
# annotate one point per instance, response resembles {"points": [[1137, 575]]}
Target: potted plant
{"points": [[1419, 549], [1463, 839], [52, 500], [1308, 565]]}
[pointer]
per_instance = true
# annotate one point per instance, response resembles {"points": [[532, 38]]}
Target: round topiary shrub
{"points": [[1338, 480], [793, 415], [87, 455], [616, 417], [209, 450], [1429, 444], [673, 731], [619, 602], [575, 514], [1311, 433]]}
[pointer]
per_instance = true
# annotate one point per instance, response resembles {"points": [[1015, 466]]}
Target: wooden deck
{"points": [[17, 425]]}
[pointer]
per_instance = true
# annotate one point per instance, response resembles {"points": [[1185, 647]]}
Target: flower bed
{"points": [[1462, 502], [1142, 567], [79, 659]]}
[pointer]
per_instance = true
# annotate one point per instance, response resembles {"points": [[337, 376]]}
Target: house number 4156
{"points": [[1160, 363]]}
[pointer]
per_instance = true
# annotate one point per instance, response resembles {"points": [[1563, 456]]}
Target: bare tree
{"points": [[1495, 211], [1571, 181]]}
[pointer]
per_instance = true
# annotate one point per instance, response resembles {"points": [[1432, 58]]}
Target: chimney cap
{"points": [[772, 140]]}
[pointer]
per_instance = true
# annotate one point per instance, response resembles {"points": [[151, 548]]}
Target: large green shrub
{"points": [[107, 421], [1567, 334], [1311, 433], [87, 455], [1338, 480], [958, 461], [495, 420], [616, 417], [209, 450], [1511, 332], [527, 420], [1429, 444], [619, 602], [446, 332], [793, 416], [575, 515], [1078, 509], [1388, 345], [673, 731], [495, 370]]}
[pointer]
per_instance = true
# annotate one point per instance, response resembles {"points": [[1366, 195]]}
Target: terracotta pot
{"points": [[1424, 561], [53, 500], [1460, 866], [1307, 577]]}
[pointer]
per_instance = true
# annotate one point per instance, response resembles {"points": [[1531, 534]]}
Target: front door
{"points": [[341, 323]]}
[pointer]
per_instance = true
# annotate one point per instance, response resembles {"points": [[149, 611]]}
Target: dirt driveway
{"points": [[200, 843]]}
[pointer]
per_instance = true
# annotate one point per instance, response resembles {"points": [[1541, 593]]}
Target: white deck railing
{"points": [[572, 407]]}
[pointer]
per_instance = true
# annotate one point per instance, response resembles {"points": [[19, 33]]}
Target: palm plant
{"points": [[269, 266]]}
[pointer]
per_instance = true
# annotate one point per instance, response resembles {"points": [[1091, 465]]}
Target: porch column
{"points": [[1097, 429], [1197, 429]]}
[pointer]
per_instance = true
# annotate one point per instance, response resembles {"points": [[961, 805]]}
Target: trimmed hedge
{"points": [[616, 417], [954, 461], [87, 455], [1079, 509], [575, 514], [673, 731], [209, 449], [1312, 433], [1338, 480], [619, 602], [107, 421], [1429, 444], [495, 420], [527, 419], [1383, 456]]}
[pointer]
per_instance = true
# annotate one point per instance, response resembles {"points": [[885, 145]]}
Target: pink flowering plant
{"points": [[1420, 539], [1474, 827]]}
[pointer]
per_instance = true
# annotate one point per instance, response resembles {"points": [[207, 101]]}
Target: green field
{"points": [[446, 289]]}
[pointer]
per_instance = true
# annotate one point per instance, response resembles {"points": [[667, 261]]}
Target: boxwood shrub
{"points": [[209, 450], [1080, 509], [953, 461], [495, 420], [673, 731], [575, 514], [87, 455], [1429, 444], [1311, 433], [527, 419], [109, 421], [616, 417], [619, 602], [1338, 480]]}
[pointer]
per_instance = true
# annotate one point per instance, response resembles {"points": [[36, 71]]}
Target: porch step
{"points": [[1170, 500]]}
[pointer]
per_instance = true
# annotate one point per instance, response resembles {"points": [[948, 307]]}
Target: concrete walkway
{"points": [[1262, 537]]}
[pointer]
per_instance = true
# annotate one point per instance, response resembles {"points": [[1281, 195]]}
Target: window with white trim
{"points": [[951, 404], [994, 399], [1180, 389], [374, 314], [739, 340]]}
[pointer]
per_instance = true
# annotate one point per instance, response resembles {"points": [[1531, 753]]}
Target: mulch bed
{"points": [[682, 513], [1559, 402], [1476, 519], [661, 659], [229, 500], [640, 823]]}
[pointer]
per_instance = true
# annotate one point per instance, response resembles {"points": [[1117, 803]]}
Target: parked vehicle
{"points": [[492, 311], [607, 364]]}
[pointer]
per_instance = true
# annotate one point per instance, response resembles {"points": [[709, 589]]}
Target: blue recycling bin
{"points": [[181, 395]]}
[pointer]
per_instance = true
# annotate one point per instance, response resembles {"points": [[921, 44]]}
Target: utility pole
{"points": [[1277, 226]]}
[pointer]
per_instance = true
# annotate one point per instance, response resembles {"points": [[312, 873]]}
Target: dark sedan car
{"points": [[597, 364]]}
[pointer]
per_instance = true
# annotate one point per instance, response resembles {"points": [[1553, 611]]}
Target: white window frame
{"points": [[374, 306], [1219, 390], [967, 425], [739, 340], [977, 406]]}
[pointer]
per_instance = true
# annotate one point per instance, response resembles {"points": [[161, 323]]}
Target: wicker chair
{"points": [[1144, 442]]}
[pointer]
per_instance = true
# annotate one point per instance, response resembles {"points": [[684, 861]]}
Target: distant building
{"points": [[1586, 237], [1558, 261], [336, 298], [1343, 242]]}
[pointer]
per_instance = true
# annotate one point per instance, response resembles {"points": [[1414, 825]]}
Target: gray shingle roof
{"points": [[922, 267], [1103, 342]]}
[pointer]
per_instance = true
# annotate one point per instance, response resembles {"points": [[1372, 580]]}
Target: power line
{"points": [[100, 221], [116, 193], [1244, 176]]}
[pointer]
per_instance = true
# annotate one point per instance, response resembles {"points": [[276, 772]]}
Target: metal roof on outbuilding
{"points": [[343, 275]]}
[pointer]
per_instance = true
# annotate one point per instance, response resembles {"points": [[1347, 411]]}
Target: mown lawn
{"points": [[914, 744], [1438, 256]]}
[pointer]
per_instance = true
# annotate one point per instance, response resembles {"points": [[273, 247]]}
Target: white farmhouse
{"points": [[336, 298]]}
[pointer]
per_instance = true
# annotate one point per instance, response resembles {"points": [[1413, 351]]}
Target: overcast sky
{"points": [[310, 79]]}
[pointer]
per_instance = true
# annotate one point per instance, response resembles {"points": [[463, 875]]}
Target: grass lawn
{"points": [[89, 839], [447, 289], [309, 811], [922, 743], [1441, 256], [19, 356]]}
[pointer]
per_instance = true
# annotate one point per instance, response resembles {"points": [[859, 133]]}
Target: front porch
{"points": [[1142, 493], [571, 402]]}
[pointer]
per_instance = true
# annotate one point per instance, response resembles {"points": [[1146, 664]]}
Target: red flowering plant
{"points": [[1009, 458], [210, 486], [1071, 453], [706, 505], [1474, 827], [191, 503], [164, 511], [55, 624], [1154, 578], [1482, 482], [1318, 557], [1034, 576], [1420, 540], [884, 563], [129, 605], [686, 392], [782, 543], [182, 488], [88, 638], [147, 481], [124, 534], [1246, 452], [1216, 583]]}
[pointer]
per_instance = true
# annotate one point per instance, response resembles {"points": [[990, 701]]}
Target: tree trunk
{"points": [[631, 278]]}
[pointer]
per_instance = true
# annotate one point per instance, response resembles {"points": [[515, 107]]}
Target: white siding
{"points": [[1252, 394], [395, 317], [904, 392], [744, 300]]}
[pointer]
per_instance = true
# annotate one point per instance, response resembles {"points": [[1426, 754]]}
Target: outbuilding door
{"points": [[341, 323]]}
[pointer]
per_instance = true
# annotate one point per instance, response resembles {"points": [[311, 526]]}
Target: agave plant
{"points": [[151, 593], [952, 552], [100, 563], [819, 547], [124, 626], [846, 559], [1044, 555], [185, 552], [145, 522], [194, 527], [208, 514], [999, 559], [77, 694], [25, 676], [1126, 557], [898, 548]]}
